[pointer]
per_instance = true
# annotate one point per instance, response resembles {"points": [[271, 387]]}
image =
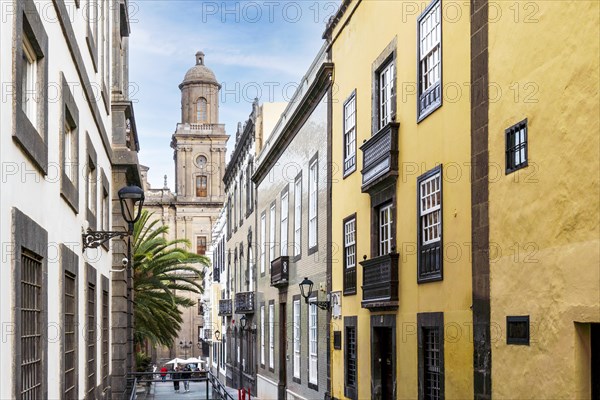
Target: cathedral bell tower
{"points": [[199, 143]]}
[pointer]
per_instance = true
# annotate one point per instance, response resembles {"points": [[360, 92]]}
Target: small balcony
{"points": [[216, 274], [244, 303], [380, 157], [280, 271], [380, 282], [225, 307]]}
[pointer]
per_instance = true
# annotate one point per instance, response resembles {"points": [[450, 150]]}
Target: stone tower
{"points": [[199, 147], [199, 141]]}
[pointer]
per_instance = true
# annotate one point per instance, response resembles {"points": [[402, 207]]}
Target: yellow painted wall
{"points": [[443, 137], [548, 210]]}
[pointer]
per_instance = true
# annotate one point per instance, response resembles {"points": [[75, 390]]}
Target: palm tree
{"points": [[163, 270]]}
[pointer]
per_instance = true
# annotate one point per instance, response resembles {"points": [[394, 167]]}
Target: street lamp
{"points": [[185, 347], [306, 290], [218, 336], [132, 199]]}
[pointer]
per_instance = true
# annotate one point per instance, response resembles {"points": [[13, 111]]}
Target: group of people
{"points": [[180, 373]]}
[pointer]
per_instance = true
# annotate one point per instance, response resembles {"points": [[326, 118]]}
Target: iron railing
{"points": [[225, 307]]}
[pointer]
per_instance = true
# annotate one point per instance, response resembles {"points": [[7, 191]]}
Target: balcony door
{"points": [[383, 361]]}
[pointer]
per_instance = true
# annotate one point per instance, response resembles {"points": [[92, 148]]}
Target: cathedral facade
{"points": [[199, 147]]}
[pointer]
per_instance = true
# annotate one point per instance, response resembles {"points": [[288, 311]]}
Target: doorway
{"points": [[595, 368], [383, 360], [282, 351]]}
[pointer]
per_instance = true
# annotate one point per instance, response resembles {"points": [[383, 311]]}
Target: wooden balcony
{"points": [[280, 271], [380, 282], [380, 157], [244, 303], [216, 274], [225, 307]]}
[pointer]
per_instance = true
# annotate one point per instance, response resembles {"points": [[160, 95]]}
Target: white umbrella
{"points": [[176, 361], [192, 360]]}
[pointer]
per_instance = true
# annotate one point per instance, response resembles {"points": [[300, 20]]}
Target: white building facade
{"points": [[68, 145]]}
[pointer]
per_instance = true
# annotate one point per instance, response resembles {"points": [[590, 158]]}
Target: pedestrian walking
{"points": [[176, 377], [163, 373], [186, 373]]}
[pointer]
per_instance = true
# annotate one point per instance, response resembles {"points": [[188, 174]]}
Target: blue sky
{"points": [[255, 49]]}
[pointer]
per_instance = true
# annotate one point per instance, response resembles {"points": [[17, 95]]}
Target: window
{"points": [[298, 216], [241, 199], [430, 328], [385, 229], [312, 344], [350, 255], [201, 111], [350, 134], [350, 354], [312, 204], [430, 59], [516, 147], [29, 81], [235, 210], [272, 233], [70, 327], [296, 338], [31, 326], [91, 340], [201, 186], [31, 78], [284, 224], [386, 86], [249, 189], [517, 330], [91, 194], [430, 225], [271, 335], [201, 245], [105, 331], [69, 148], [431, 350], [229, 217], [262, 335], [350, 358], [263, 244], [104, 210]]}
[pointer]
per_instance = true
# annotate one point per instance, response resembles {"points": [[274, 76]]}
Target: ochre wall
{"points": [[548, 210], [443, 137]]}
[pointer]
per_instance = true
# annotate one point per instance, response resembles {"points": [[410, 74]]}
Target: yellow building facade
{"points": [[465, 197], [401, 201], [544, 202]]}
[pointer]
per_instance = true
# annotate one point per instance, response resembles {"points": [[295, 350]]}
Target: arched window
{"points": [[201, 111], [201, 186]]}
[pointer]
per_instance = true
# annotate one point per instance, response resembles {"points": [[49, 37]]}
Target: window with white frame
{"points": [[386, 91], [271, 335], [284, 224], [298, 216], [430, 225], [350, 134], [350, 255], [70, 152], [430, 59], [29, 81], [385, 229], [235, 207], [263, 242], [262, 336], [312, 344], [312, 203], [272, 233], [296, 339]]}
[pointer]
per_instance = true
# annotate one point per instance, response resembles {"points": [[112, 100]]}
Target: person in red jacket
{"points": [[163, 373]]}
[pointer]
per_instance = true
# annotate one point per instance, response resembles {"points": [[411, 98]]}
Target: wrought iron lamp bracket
{"points": [[323, 305], [93, 239]]}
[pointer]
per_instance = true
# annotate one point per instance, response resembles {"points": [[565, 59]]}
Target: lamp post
{"points": [[185, 347], [131, 199], [306, 290]]}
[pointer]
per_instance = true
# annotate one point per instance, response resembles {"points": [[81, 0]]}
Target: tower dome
{"points": [[199, 73]]}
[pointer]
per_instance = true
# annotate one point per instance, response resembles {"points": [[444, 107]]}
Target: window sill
{"points": [[349, 172], [428, 111], [312, 250], [509, 171]]}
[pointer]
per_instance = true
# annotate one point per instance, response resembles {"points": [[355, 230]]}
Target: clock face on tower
{"points": [[201, 162]]}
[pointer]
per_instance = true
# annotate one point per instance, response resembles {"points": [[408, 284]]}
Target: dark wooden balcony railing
{"points": [[225, 307], [216, 274], [380, 282], [244, 302], [280, 271], [380, 157]]}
